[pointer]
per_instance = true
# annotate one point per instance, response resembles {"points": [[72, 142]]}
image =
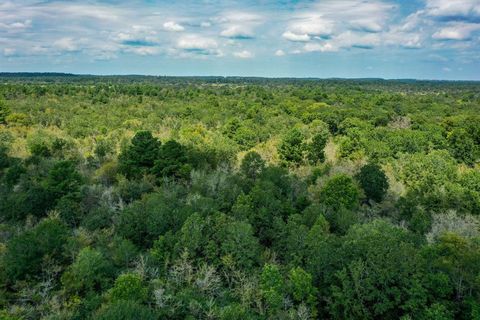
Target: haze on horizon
{"points": [[422, 39]]}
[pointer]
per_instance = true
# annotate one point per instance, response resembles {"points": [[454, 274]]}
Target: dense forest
{"points": [[238, 198]]}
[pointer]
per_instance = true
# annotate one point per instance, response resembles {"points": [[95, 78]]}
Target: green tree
{"points": [[340, 191], [90, 271], [292, 147], [145, 220], [373, 181], [301, 287], [315, 149], [62, 179], [463, 147], [4, 158], [381, 274], [459, 259], [172, 161], [26, 252], [252, 165], [238, 241], [272, 287], [128, 286], [4, 112], [125, 310], [139, 157]]}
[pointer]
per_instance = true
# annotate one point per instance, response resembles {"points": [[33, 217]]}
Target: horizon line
{"points": [[54, 73]]}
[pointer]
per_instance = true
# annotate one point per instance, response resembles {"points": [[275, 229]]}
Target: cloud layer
{"points": [[102, 30]]}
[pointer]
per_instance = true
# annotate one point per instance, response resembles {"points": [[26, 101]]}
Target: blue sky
{"points": [[423, 39]]}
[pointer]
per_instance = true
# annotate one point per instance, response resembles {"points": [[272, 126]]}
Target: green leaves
{"points": [[340, 192], [272, 287], [373, 181], [172, 161], [463, 147], [128, 286], [292, 147], [139, 157], [26, 252], [4, 112], [90, 272]]}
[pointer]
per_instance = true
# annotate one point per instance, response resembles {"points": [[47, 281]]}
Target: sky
{"points": [[421, 39]]}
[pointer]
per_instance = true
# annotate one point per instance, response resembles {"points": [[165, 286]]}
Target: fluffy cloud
{"points": [[237, 32], [366, 25], [332, 25], [239, 24], [66, 44], [467, 10], [408, 40], [245, 54], [16, 26], [9, 52], [137, 35], [173, 26], [101, 29], [312, 26], [459, 31], [143, 51], [194, 42], [296, 37], [319, 47], [357, 40], [198, 45]]}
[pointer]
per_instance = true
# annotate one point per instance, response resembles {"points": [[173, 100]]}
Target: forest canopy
{"points": [[238, 198]]}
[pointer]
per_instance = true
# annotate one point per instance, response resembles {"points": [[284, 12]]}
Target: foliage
{"points": [[4, 112], [238, 198], [172, 161], [128, 286], [373, 182], [291, 149], [340, 191], [140, 155], [125, 310], [26, 252], [252, 165], [315, 149], [89, 272]]}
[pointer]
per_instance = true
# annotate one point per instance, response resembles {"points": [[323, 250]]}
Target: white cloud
{"points": [[143, 51], [319, 47], [296, 37], [173, 26], [9, 52], [238, 24], [198, 45], [245, 54], [106, 29], [312, 26], [330, 25], [409, 40], [367, 25], [16, 26], [137, 36], [453, 9], [196, 42], [359, 40], [237, 32], [348, 39], [459, 31], [240, 16], [65, 44]]}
